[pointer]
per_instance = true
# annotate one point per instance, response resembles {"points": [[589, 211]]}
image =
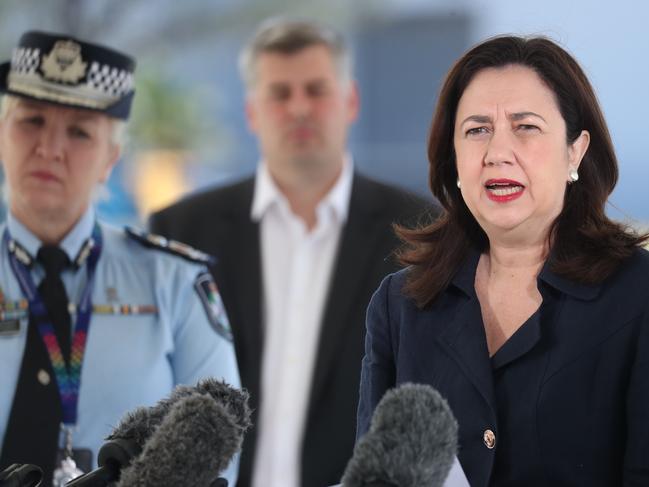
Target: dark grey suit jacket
{"points": [[218, 222]]}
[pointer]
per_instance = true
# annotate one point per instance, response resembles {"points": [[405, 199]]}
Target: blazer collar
{"points": [[584, 292], [464, 279], [463, 335]]}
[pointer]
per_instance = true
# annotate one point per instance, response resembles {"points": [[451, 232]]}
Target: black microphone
{"points": [[194, 443], [411, 442], [123, 444], [113, 456], [132, 432], [21, 475]]}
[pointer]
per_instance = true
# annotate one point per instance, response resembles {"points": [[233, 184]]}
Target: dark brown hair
{"points": [[586, 245]]}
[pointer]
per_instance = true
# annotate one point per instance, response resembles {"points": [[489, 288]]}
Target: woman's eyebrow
{"points": [[521, 115], [477, 118]]}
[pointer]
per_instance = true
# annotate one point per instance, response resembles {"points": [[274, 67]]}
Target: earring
{"points": [[573, 175], [459, 184]]}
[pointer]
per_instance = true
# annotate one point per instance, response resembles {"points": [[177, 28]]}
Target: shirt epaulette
{"points": [[170, 246]]}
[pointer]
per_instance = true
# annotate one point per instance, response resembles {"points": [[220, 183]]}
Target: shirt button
{"points": [[489, 439], [43, 377]]}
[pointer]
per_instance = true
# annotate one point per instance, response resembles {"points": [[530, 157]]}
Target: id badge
{"points": [[81, 456], [9, 327], [67, 468]]}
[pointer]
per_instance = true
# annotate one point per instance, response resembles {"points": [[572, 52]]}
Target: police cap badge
{"points": [[67, 71]]}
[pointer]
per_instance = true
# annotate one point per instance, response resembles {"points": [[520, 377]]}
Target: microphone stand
{"points": [[18, 475], [113, 456]]}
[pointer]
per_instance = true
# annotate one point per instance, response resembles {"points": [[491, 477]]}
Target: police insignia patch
{"points": [[64, 63], [211, 299]]}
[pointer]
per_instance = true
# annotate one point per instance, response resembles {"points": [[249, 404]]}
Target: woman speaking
{"points": [[524, 305]]}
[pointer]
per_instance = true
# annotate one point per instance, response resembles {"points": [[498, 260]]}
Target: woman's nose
{"points": [[51, 143], [499, 149]]}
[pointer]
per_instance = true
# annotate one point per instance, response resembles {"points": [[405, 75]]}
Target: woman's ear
{"points": [[578, 148], [114, 152]]}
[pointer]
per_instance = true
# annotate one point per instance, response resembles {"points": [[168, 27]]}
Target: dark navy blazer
{"points": [[567, 396]]}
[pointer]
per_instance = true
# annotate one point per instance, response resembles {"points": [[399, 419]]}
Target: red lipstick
{"points": [[504, 190]]}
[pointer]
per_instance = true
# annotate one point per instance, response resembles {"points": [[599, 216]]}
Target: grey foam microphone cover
{"points": [[139, 424], [194, 443], [129, 437], [411, 442], [234, 400]]}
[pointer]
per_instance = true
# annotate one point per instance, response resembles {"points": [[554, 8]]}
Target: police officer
{"points": [[94, 320]]}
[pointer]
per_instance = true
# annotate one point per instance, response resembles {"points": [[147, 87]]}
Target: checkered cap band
{"points": [[104, 84], [110, 80], [61, 69], [25, 59]]}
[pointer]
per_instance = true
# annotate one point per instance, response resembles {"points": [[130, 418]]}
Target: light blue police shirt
{"points": [[131, 360]]}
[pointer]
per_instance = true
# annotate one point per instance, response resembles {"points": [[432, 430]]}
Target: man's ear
{"points": [[2, 127], [251, 114], [353, 101]]}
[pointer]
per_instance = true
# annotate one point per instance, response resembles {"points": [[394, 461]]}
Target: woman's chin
{"points": [[46, 205], [516, 230]]}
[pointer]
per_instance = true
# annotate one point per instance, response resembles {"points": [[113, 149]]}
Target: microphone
{"points": [[129, 437], [21, 475], [195, 441], [125, 443], [411, 442], [138, 425]]}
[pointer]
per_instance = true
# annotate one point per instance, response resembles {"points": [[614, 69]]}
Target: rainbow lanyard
{"points": [[68, 378]]}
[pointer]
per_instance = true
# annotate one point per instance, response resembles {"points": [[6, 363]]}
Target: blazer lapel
{"points": [[243, 269], [239, 268], [464, 340], [355, 253], [463, 336]]}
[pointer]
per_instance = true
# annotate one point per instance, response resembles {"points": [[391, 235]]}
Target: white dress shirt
{"points": [[296, 269]]}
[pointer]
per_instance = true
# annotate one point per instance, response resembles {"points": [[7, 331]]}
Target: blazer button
{"points": [[489, 439]]}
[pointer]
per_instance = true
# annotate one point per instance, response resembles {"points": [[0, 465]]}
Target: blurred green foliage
{"points": [[166, 115]]}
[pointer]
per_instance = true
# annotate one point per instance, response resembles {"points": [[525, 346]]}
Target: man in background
{"points": [[300, 249]]}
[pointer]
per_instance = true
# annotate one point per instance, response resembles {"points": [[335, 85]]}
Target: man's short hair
{"points": [[288, 36]]}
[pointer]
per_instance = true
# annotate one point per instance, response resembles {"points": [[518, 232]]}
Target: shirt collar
{"points": [[71, 243], [267, 193]]}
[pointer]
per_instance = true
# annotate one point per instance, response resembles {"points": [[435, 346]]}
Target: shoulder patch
{"points": [[170, 246], [211, 299]]}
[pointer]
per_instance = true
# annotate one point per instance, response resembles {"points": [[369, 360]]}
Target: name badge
{"points": [[9, 327], [81, 456]]}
